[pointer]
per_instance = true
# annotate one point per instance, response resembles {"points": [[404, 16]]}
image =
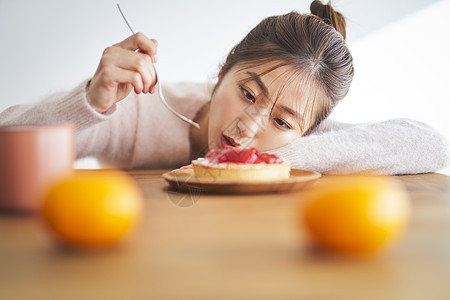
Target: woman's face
{"points": [[241, 110]]}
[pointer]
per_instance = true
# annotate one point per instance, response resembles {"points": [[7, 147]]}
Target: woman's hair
{"points": [[312, 44]]}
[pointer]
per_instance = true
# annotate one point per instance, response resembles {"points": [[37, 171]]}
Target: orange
{"points": [[356, 214], [93, 209]]}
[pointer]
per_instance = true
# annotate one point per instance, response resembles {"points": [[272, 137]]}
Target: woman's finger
{"points": [[141, 43], [133, 61], [112, 76]]}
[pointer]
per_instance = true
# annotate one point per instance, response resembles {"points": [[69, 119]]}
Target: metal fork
{"points": [[160, 92]]}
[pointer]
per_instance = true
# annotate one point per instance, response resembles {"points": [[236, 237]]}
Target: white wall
{"points": [[400, 47]]}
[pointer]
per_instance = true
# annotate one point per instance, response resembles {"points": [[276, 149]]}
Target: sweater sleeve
{"points": [[92, 132], [59, 108], [400, 146]]}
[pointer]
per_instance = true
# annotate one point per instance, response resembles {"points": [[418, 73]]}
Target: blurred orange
{"points": [[92, 209], [357, 214]]}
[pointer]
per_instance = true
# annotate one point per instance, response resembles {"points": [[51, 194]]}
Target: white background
{"points": [[401, 49]]}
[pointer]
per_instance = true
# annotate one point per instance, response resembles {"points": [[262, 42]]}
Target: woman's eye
{"points": [[248, 95], [281, 123]]}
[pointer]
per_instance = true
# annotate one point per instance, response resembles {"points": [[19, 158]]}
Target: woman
{"points": [[274, 92]]}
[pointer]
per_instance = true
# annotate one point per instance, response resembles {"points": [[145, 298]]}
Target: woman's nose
{"points": [[250, 125]]}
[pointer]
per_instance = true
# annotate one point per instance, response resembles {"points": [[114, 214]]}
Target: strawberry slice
{"points": [[241, 156]]}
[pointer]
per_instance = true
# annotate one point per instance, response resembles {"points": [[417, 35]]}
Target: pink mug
{"points": [[31, 158]]}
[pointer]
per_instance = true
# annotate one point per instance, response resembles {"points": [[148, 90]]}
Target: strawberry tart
{"points": [[241, 165]]}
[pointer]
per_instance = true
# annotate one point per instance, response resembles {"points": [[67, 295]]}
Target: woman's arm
{"points": [[400, 146], [134, 133], [123, 67], [72, 107], [110, 133]]}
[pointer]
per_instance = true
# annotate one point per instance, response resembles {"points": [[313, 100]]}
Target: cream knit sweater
{"points": [[139, 132]]}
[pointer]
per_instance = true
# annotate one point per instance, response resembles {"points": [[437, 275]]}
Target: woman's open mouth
{"points": [[228, 141]]}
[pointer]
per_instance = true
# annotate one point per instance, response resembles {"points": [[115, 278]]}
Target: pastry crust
{"points": [[239, 172]]}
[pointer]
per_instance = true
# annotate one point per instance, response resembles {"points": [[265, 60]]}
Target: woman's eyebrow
{"points": [[258, 80], [291, 112]]}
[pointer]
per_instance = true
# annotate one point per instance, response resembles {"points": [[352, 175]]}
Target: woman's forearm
{"points": [[400, 146], [92, 133], [71, 107]]}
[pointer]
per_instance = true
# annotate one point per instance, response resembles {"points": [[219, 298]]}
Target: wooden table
{"points": [[229, 247]]}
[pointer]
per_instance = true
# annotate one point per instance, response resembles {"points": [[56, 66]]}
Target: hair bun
{"points": [[329, 15]]}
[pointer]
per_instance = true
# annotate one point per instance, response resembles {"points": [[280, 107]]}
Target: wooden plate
{"points": [[185, 181]]}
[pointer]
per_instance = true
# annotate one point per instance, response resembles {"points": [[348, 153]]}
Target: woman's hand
{"points": [[123, 66]]}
